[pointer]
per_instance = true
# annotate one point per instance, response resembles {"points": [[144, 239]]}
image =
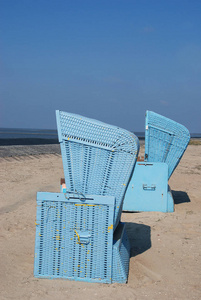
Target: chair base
{"points": [[75, 239], [148, 189]]}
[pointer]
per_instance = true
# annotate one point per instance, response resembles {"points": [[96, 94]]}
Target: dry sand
{"points": [[166, 255]]}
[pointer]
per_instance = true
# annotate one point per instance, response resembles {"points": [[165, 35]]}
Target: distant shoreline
{"points": [[34, 141], [17, 136], [27, 141], [42, 141], [44, 146]]}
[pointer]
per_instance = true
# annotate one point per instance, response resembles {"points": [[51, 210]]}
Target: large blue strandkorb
{"points": [[75, 232]]}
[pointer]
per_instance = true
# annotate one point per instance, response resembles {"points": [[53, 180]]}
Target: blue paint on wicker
{"points": [[74, 236], [148, 189], [121, 255], [97, 158], [165, 140]]}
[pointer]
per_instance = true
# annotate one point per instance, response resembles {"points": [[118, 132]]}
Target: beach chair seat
{"points": [[79, 235]]}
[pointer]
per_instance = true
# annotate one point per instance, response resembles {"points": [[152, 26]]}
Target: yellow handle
{"points": [[78, 237]]}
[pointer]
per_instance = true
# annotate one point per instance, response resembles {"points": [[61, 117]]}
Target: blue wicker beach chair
{"points": [[165, 143], [79, 235]]}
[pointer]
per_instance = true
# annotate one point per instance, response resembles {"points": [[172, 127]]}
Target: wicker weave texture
{"points": [[74, 237], [97, 158], [165, 140], [121, 255]]}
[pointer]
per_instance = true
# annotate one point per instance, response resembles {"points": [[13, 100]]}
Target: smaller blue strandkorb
{"points": [[97, 158], [165, 140], [74, 237]]}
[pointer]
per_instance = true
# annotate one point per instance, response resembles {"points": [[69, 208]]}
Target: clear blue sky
{"points": [[107, 59]]}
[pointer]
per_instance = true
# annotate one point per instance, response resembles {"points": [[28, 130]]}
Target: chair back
{"points": [[165, 140], [97, 158]]}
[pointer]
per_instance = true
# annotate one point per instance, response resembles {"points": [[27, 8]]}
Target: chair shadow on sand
{"points": [[180, 197], [139, 236]]}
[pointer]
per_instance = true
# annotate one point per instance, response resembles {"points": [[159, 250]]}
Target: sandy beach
{"points": [[166, 248]]}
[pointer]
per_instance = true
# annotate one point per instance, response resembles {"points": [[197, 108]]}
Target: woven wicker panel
{"points": [[97, 158], [121, 255], [165, 140], [74, 239]]}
